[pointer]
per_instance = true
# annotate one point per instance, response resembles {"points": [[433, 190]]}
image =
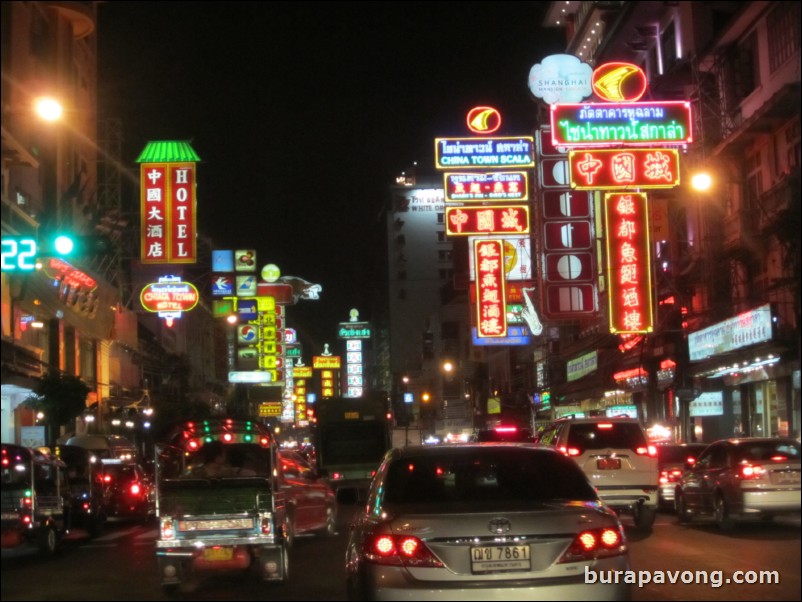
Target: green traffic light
{"points": [[64, 244]]}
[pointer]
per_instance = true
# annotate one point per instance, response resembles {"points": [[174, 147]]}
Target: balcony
{"points": [[775, 206], [738, 232]]}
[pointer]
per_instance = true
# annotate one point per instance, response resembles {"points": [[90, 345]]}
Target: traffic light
{"points": [[66, 245]]}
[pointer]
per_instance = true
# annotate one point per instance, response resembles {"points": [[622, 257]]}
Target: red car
{"points": [[310, 501]]}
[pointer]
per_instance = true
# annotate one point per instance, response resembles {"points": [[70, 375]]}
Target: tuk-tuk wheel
{"points": [[47, 541]]}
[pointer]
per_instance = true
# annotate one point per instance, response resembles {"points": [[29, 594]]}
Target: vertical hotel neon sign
{"points": [[491, 302], [628, 263], [167, 181]]}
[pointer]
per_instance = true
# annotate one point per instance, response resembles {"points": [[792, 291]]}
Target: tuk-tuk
{"points": [[88, 500], [218, 502], [35, 499]]}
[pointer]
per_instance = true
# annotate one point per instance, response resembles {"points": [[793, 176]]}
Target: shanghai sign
{"points": [[505, 219], [629, 124], [604, 169]]}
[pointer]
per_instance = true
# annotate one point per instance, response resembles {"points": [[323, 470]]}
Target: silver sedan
{"points": [[484, 521]]}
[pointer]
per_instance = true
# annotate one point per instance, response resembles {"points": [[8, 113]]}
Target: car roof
{"points": [[594, 419], [417, 451]]}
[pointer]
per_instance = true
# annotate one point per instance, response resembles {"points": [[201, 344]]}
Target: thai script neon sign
{"points": [[505, 219], [481, 153], [491, 315], [605, 169], [619, 82], [632, 123], [628, 263], [493, 186]]}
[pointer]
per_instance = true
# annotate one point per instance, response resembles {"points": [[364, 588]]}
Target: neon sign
{"points": [[619, 82], [169, 296], [493, 186], [505, 219], [483, 120], [491, 315], [628, 263], [605, 169], [632, 123], [168, 213], [482, 153]]}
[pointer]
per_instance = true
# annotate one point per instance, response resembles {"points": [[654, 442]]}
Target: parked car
{"points": [[672, 461], [617, 458], [127, 491], [741, 478], [310, 501], [88, 510], [489, 520]]}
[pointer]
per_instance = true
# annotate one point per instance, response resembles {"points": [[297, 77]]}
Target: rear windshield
{"points": [[768, 450], [495, 474], [353, 443], [606, 435]]}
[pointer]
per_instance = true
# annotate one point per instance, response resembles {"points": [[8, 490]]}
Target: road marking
{"points": [[115, 535]]}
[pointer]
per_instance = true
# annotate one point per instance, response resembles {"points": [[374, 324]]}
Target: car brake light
{"points": [[570, 451], [400, 550], [670, 476], [691, 460], [336, 475], [167, 530], [107, 478], [643, 450], [779, 458], [605, 425], [595, 543], [752, 472], [506, 429], [135, 489]]}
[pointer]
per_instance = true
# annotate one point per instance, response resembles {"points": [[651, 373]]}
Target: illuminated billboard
{"points": [[626, 217], [483, 153], [493, 186], [606, 169], [168, 213], [501, 219], [616, 124], [169, 296], [491, 303]]}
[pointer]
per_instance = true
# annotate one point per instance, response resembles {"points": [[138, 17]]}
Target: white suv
{"points": [[617, 458]]}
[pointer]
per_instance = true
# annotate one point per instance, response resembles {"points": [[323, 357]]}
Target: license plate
{"points": [[499, 559], [608, 463], [785, 477], [214, 554]]}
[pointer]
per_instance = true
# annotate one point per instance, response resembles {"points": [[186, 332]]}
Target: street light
{"points": [[48, 108]]}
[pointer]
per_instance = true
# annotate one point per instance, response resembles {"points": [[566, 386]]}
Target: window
{"points": [[668, 47], [441, 237], [444, 255], [740, 71], [441, 218], [783, 27]]}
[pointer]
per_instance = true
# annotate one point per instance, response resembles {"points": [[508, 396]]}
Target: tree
{"points": [[60, 397]]}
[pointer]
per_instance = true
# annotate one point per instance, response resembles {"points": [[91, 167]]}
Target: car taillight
{"points": [[595, 543], [167, 531], [107, 478], [748, 471], [570, 451], [646, 450], [336, 475], [669, 476], [400, 550], [135, 489]]}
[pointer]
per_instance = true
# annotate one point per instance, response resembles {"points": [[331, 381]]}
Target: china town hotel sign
{"points": [[168, 203]]}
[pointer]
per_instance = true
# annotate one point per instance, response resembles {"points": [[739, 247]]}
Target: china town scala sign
{"points": [[169, 296]]}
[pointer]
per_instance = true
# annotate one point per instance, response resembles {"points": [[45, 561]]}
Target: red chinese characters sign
{"points": [[605, 169], [628, 263], [503, 219], [491, 316], [168, 213]]}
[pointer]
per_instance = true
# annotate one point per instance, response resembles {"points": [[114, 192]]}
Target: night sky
{"points": [[303, 114]]}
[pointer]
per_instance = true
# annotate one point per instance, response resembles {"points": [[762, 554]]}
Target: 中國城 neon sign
{"points": [[604, 169], [617, 124], [503, 219]]}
